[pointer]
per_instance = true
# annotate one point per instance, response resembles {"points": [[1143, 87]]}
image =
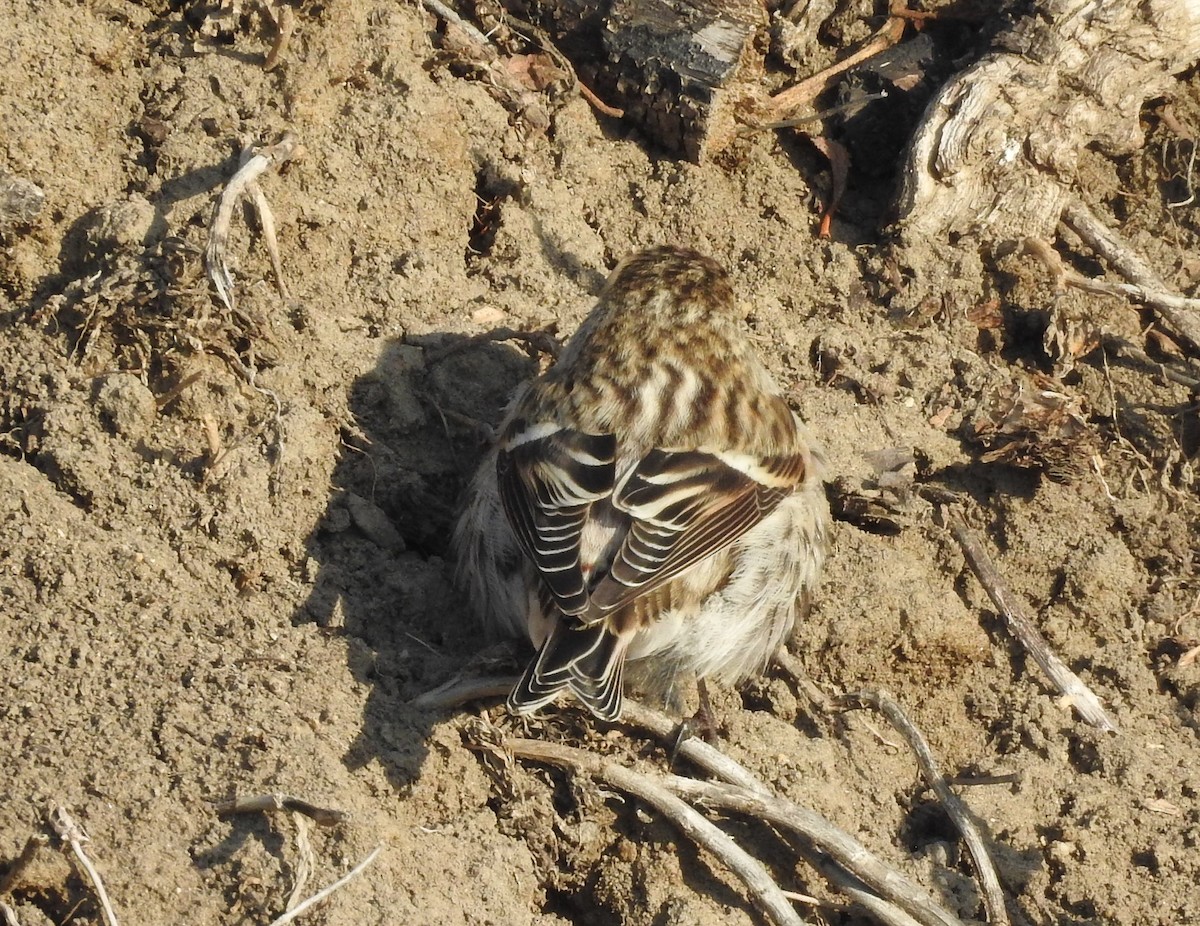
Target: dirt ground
{"points": [[223, 535]]}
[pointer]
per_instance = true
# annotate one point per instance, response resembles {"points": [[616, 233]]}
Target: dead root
{"points": [[265, 803], [847, 865], [883, 702], [996, 157]]}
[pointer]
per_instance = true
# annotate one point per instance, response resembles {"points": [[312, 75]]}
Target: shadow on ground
{"points": [[421, 420]]}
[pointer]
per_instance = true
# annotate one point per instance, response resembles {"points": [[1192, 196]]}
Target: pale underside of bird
{"points": [[651, 499]]}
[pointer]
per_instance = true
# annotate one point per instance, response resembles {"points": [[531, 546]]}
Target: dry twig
{"points": [[1171, 373], [891, 889], [284, 18], [325, 892], [784, 104], [841, 859], [444, 13], [896, 894], [993, 897], [460, 690], [265, 803], [1021, 625], [74, 836], [1181, 313], [764, 892]]}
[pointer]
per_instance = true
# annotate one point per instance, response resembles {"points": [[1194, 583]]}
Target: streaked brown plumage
{"points": [[651, 498]]}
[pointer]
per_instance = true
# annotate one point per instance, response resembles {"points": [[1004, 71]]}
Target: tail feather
{"points": [[588, 660]]}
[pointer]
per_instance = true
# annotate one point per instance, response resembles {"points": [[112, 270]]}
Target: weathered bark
{"points": [[676, 63], [675, 66], [996, 154]]}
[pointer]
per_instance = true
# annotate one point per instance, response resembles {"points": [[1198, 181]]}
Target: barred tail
{"points": [[589, 660]]}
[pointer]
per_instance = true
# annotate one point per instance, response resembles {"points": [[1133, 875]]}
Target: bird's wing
{"points": [[549, 478], [685, 506]]}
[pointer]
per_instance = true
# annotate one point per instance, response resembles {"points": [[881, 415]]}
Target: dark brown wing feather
{"points": [[548, 485], [686, 506]]}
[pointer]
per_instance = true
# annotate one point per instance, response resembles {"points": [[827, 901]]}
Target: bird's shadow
{"points": [[420, 420]]}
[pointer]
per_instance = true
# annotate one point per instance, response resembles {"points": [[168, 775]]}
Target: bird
{"points": [[651, 505]]}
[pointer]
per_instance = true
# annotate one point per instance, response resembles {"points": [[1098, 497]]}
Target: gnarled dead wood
{"points": [[996, 154]]}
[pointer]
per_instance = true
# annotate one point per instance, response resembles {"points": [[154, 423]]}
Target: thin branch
{"points": [[780, 107], [325, 892], [695, 750], [264, 803], [851, 855], [1144, 286], [1130, 351], [993, 896], [763, 890], [840, 858], [1021, 625], [854, 862], [73, 835], [459, 691]]}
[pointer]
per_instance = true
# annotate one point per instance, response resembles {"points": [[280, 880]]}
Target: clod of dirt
{"points": [[20, 201], [126, 405], [371, 520], [120, 225]]}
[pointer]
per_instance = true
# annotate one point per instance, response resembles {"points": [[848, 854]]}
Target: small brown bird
{"points": [[651, 498]]}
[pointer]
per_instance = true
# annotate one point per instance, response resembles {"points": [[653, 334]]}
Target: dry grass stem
{"points": [[266, 219], [8, 915], [73, 835], [993, 897], [1021, 625], [266, 803], [242, 183], [325, 892], [304, 867]]}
